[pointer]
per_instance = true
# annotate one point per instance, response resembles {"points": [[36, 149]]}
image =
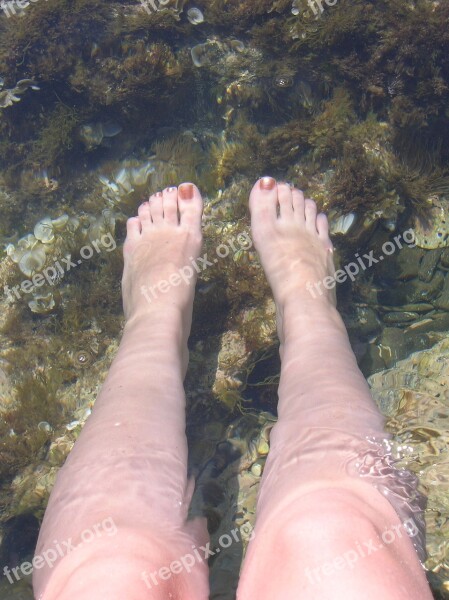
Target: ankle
{"points": [[302, 319], [168, 319]]}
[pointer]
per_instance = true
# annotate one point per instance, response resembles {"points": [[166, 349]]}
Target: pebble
{"points": [[400, 317], [428, 264]]}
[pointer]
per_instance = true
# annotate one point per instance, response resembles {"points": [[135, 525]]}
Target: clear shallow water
{"points": [[103, 103]]}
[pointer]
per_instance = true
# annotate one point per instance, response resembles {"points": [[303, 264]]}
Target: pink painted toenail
{"points": [[267, 183], [171, 189], [186, 191]]}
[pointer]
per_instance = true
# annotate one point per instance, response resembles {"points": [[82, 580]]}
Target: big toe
{"points": [[263, 202], [190, 204]]}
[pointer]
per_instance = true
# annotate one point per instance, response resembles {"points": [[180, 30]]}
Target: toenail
{"points": [[158, 194], [171, 189], [186, 191], [267, 183]]}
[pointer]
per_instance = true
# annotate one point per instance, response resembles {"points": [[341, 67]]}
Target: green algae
{"points": [[56, 138], [21, 440], [115, 61]]}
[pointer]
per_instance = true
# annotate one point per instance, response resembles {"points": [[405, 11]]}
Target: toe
{"points": [[133, 232], [144, 215], [190, 204], [285, 201], [170, 205], [133, 228], [156, 208], [310, 212], [322, 224], [298, 207], [263, 203]]}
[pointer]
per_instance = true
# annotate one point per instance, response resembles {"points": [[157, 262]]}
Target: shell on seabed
{"points": [[342, 224], [199, 55], [25, 243], [195, 16], [43, 230], [283, 81], [44, 426], [32, 261], [42, 303], [257, 469], [263, 447], [83, 358], [295, 10], [59, 450], [124, 181], [72, 425], [60, 222], [236, 45]]}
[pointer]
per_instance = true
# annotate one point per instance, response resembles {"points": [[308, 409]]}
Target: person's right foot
{"points": [[293, 244], [161, 245]]}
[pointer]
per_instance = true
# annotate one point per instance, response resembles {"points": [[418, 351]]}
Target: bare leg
{"points": [[323, 530], [129, 466]]}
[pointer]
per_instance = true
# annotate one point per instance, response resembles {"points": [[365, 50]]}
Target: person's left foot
{"points": [[161, 245]]}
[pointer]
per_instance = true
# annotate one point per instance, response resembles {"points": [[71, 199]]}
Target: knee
{"points": [[134, 566], [326, 517], [335, 522]]}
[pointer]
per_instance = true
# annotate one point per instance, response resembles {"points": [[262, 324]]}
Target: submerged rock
{"points": [[226, 492], [445, 258], [412, 291], [414, 397], [397, 318], [442, 302], [432, 229], [405, 266], [396, 344], [428, 264]]}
